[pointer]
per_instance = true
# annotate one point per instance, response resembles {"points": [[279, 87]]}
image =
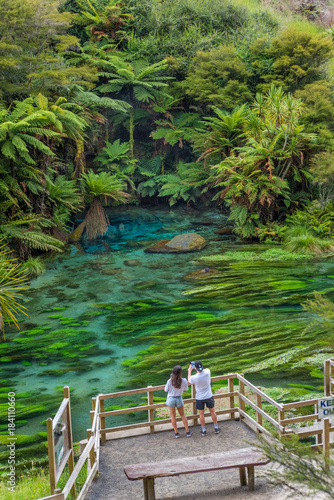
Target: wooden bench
{"points": [[241, 458]]}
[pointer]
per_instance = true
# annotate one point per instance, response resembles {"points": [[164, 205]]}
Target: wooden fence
{"points": [[243, 399]]}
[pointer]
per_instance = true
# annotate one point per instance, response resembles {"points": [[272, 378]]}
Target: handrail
{"points": [[156, 406], [59, 413], [262, 412], [145, 390], [260, 393], [299, 404], [78, 467]]}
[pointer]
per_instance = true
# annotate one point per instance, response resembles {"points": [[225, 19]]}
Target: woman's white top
{"points": [[173, 391]]}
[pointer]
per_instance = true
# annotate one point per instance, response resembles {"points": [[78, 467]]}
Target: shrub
{"points": [[33, 267]]}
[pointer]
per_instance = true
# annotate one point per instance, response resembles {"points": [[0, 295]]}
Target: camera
{"points": [[192, 364]]}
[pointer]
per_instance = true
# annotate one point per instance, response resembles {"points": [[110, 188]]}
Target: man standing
{"points": [[202, 383]]}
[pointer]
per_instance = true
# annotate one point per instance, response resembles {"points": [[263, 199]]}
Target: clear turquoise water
{"points": [[90, 278]]}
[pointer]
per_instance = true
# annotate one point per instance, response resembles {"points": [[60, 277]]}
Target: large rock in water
{"points": [[189, 242]]}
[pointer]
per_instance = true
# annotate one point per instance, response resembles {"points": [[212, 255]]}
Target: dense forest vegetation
{"points": [[221, 103], [203, 103]]}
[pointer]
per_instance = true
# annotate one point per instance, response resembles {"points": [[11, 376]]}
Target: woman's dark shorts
{"points": [[200, 403]]}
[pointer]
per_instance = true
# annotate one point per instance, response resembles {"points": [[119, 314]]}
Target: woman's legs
{"points": [[184, 418], [172, 413]]}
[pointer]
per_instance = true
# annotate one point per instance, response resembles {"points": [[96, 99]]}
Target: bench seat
{"points": [[240, 458]]}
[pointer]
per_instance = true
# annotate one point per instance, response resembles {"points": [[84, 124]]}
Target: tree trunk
{"points": [[131, 128]]}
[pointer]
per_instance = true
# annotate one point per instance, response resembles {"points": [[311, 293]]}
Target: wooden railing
{"points": [[91, 452], [150, 407], [329, 377], [240, 399]]}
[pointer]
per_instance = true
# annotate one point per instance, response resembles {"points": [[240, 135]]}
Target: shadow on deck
{"points": [[112, 483]]}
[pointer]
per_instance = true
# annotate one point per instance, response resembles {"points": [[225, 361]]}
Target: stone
{"points": [[188, 242], [109, 272], [132, 262], [225, 230]]}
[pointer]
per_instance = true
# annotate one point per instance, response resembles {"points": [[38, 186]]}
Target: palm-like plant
{"points": [[63, 198], [185, 184], [25, 231], [12, 283], [136, 83], [102, 24], [251, 191], [273, 129], [113, 154], [225, 133], [19, 128], [69, 123], [178, 128], [97, 187]]}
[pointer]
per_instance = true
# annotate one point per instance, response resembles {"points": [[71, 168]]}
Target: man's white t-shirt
{"points": [[202, 383]]}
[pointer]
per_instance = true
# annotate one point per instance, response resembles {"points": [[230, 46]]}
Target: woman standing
{"points": [[175, 386]]}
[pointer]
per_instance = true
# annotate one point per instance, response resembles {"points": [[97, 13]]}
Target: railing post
{"points": [[327, 377], [102, 421], [318, 437], [193, 395], [281, 416], [51, 447], [242, 392], [93, 411], [325, 439], [150, 412], [70, 439], [91, 453], [231, 389], [259, 405]]}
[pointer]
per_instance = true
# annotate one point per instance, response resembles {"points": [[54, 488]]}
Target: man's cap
{"points": [[199, 366]]}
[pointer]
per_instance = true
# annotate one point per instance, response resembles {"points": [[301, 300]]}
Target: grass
{"points": [[33, 486]]}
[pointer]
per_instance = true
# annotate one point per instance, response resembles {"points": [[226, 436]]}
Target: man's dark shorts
{"points": [[200, 403]]}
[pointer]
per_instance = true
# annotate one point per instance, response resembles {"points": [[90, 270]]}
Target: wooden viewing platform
{"points": [[147, 441]]}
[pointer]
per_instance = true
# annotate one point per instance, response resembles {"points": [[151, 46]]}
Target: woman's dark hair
{"points": [[176, 376]]}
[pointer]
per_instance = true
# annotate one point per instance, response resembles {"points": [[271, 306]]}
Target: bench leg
{"points": [[251, 478], [242, 474], [149, 493]]}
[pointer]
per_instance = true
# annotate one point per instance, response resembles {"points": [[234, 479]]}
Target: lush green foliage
{"points": [[189, 102], [12, 282]]}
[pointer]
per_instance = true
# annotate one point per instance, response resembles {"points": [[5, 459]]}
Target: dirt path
{"points": [[112, 483]]}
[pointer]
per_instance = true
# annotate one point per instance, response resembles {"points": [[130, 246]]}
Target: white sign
{"points": [[326, 407]]}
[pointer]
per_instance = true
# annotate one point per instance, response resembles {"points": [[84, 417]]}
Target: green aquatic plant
{"points": [[271, 255]]}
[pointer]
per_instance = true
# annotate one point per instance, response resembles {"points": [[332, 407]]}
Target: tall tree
{"points": [[95, 188], [33, 35], [135, 83]]}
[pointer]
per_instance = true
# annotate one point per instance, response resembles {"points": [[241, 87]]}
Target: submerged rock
{"points": [[109, 272], [132, 262], [225, 230], [188, 242]]}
